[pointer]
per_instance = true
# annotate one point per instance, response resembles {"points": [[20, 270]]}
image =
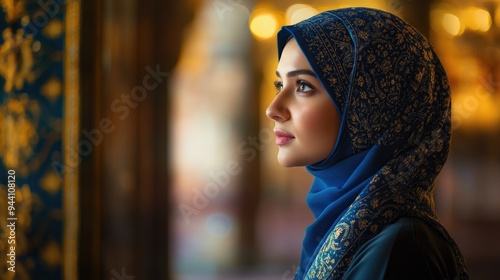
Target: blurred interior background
{"points": [[138, 135]]}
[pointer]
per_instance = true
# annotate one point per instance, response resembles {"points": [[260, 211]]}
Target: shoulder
{"points": [[406, 249]]}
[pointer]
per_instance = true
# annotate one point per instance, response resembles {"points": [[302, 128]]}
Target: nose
{"points": [[278, 110]]}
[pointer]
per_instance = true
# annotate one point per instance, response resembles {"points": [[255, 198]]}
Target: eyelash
{"points": [[278, 85], [300, 83]]}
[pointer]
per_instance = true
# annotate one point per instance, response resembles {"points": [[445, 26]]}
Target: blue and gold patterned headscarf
{"points": [[394, 100]]}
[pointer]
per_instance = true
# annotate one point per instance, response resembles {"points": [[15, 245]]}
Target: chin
{"points": [[288, 162]]}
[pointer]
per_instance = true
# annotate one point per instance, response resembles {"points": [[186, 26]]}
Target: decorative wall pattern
{"points": [[32, 85]]}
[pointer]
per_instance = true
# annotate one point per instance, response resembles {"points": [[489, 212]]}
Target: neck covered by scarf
{"points": [[393, 96]]}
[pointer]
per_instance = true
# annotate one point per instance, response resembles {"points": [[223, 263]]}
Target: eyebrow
{"points": [[298, 72]]}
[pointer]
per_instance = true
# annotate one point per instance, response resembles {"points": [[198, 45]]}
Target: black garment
{"points": [[406, 249]]}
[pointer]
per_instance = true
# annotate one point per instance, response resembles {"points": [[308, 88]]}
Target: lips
{"points": [[283, 137]]}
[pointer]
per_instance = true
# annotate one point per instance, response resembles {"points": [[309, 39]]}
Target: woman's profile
{"points": [[364, 103]]}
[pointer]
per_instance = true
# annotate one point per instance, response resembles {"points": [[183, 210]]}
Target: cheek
{"points": [[319, 126]]}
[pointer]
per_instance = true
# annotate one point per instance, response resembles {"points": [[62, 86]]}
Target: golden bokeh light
{"points": [[451, 24], [478, 19], [299, 12], [263, 24]]}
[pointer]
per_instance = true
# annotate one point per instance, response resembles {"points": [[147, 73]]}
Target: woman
{"points": [[363, 102]]}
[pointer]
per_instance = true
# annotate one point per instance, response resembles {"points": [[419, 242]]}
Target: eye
{"points": [[278, 85], [304, 87]]}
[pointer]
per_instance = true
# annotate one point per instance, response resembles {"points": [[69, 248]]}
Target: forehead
{"points": [[292, 58]]}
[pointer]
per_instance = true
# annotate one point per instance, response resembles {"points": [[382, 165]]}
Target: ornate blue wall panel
{"points": [[32, 124]]}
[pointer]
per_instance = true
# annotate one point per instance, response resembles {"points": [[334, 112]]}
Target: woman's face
{"points": [[306, 120]]}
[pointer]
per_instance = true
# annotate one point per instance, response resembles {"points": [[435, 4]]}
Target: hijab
{"points": [[393, 97]]}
